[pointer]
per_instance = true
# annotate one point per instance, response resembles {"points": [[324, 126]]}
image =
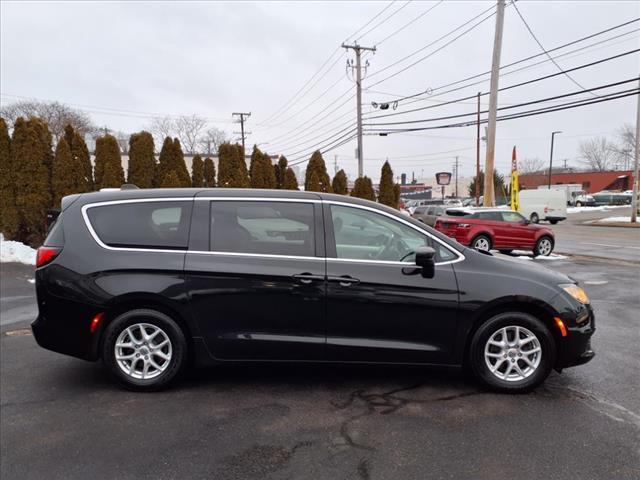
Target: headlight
{"points": [[576, 292]]}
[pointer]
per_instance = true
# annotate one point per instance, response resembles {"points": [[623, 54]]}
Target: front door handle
{"points": [[307, 278], [344, 280]]}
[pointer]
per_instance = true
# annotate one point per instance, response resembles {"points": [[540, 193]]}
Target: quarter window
{"points": [[364, 235], [512, 217], [162, 225], [268, 228]]}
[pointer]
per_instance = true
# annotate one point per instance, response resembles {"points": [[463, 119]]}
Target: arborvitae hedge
{"points": [[290, 180], [340, 183], [178, 165], [241, 173], [387, 194], [65, 177], [262, 172], [108, 172], [81, 159], [322, 182], [197, 171], [142, 160], [396, 194], [31, 179], [281, 171], [254, 166], [164, 162], [171, 180], [209, 173], [363, 188], [9, 221]]}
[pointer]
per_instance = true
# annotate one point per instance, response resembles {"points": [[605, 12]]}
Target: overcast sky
{"points": [[214, 58]]}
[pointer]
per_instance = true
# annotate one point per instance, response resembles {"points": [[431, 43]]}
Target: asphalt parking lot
{"points": [[63, 418]]}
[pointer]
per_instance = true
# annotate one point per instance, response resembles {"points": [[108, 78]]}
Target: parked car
{"points": [[540, 204], [611, 198], [493, 228], [428, 214], [584, 200], [150, 280]]}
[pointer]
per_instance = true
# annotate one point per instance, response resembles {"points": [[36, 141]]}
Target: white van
{"points": [[541, 204]]}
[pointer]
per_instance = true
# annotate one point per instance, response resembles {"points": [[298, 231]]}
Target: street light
{"points": [[553, 134]]}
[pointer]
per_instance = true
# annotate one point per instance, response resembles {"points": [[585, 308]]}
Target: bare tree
{"points": [[625, 145], [531, 165], [597, 153], [56, 115], [188, 129], [211, 140], [161, 128]]}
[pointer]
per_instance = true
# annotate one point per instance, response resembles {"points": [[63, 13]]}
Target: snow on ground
{"points": [[602, 208], [615, 219], [527, 255], [11, 251]]}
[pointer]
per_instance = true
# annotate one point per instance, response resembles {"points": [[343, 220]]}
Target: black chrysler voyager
{"points": [[152, 280]]}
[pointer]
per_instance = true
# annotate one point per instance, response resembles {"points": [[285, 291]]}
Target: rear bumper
{"points": [[74, 340]]}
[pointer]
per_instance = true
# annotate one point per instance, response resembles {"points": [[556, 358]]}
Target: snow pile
{"points": [[615, 219], [552, 256], [602, 208], [11, 251]]}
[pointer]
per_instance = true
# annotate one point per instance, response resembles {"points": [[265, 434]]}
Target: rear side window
{"points": [[268, 228], [55, 238], [495, 216], [162, 225]]}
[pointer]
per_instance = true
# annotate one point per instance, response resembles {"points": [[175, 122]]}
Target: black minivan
{"points": [[150, 281]]}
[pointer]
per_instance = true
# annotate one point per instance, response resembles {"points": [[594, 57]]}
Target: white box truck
{"points": [[576, 196], [543, 204]]}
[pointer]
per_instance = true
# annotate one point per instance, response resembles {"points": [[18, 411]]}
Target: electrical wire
{"points": [[384, 20], [394, 33]]}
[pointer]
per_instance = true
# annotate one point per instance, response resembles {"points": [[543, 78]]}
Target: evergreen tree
{"points": [[142, 160], [363, 188], [81, 158], [108, 171], [290, 180], [254, 166], [225, 164], [197, 171], [45, 146], [387, 194], [65, 177], [263, 175], [31, 179], [316, 165], [281, 171], [171, 180], [9, 221], [340, 183], [240, 177], [178, 165], [396, 195], [209, 173], [498, 185], [164, 162]]}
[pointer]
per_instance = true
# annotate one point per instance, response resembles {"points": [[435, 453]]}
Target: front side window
{"points": [[260, 227], [512, 217], [162, 225], [365, 235]]}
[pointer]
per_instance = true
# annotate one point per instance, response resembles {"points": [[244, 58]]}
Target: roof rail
{"points": [[129, 186]]}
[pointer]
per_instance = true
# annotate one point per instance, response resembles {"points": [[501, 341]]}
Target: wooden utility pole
{"points": [[634, 199], [489, 198], [242, 116], [456, 167], [478, 156], [358, 68]]}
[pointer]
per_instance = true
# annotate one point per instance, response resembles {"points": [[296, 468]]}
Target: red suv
{"points": [[504, 230]]}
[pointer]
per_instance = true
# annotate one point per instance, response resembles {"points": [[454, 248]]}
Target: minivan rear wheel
{"points": [[513, 352], [145, 350]]}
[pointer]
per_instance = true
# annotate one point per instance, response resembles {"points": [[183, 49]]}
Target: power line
{"points": [[394, 33], [543, 49], [382, 21]]}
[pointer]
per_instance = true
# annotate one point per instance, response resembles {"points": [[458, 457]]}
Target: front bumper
{"points": [[575, 349]]}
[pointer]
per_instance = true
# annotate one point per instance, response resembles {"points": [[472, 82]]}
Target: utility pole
{"points": [[634, 199], [242, 116], [358, 67], [455, 165], [493, 107], [335, 164], [478, 155], [553, 134]]}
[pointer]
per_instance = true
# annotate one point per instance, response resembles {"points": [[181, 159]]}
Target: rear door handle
{"points": [[344, 280], [307, 278]]}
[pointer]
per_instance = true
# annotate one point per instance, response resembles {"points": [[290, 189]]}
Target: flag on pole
{"points": [[515, 188]]}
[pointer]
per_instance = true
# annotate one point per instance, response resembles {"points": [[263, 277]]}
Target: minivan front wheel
{"points": [[512, 352], [144, 349]]}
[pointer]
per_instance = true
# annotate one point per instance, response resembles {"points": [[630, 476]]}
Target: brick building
{"points": [[591, 182]]}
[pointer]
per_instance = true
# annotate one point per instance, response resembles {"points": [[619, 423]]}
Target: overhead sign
{"points": [[443, 178]]}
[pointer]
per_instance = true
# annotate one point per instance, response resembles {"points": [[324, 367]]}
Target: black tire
{"points": [[534, 218], [481, 238], [506, 251], [481, 370], [178, 344], [578, 204], [540, 248], [553, 222]]}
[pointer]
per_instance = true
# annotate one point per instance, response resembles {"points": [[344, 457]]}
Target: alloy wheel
{"points": [[481, 244], [544, 247], [143, 351], [513, 353]]}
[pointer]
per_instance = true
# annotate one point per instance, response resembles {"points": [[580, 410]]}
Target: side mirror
{"points": [[527, 221], [425, 258]]}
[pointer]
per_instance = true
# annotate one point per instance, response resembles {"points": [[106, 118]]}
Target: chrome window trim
{"points": [[93, 233], [460, 256]]}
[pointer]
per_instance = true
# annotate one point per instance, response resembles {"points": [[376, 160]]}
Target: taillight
{"points": [[45, 255]]}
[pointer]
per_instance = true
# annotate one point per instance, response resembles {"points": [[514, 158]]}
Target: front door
{"points": [[379, 308], [517, 232], [257, 285]]}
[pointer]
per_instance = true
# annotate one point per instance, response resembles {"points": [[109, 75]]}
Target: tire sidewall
{"points": [[481, 370], [486, 237], [153, 317], [536, 250], [535, 218]]}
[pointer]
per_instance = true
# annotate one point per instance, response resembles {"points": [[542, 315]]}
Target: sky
{"points": [[124, 62]]}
